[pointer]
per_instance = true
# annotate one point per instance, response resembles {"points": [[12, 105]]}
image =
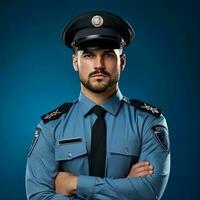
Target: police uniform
{"points": [[136, 131]]}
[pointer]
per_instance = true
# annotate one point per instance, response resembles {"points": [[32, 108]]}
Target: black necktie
{"points": [[98, 144]]}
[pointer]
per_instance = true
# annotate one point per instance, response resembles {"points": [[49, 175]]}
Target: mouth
{"points": [[99, 75]]}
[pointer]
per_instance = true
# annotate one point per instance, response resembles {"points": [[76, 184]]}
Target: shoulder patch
{"points": [[145, 107], [56, 113], [161, 136]]}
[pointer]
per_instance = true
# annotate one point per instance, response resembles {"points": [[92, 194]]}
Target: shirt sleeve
{"points": [[41, 166], [155, 149]]}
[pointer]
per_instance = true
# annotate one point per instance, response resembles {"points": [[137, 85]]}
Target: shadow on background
{"points": [[36, 75]]}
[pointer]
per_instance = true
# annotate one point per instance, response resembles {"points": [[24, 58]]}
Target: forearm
{"points": [[124, 189], [66, 183], [44, 191]]}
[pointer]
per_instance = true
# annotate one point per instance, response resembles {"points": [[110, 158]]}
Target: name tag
{"points": [[70, 140]]}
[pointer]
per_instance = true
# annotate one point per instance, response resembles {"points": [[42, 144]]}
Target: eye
{"points": [[88, 55], [108, 55]]}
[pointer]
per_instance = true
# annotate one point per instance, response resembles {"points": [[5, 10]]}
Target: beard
{"points": [[99, 85]]}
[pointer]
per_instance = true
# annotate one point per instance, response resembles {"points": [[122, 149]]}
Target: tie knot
{"points": [[99, 111]]}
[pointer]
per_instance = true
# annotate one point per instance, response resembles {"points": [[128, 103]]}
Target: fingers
{"points": [[141, 174], [140, 164], [65, 183], [143, 168]]}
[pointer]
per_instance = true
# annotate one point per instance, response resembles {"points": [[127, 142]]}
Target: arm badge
{"points": [[161, 135]]}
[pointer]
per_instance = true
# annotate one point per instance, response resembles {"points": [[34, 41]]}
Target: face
{"points": [[99, 70]]}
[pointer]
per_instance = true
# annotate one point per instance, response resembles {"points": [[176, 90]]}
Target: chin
{"points": [[98, 90]]}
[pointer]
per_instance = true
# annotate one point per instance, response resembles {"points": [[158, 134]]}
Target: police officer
{"points": [[103, 145]]}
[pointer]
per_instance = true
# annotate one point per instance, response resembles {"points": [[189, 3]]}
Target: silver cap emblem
{"points": [[97, 21]]}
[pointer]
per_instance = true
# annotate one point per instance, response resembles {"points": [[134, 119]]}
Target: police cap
{"points": [[98, 30]]}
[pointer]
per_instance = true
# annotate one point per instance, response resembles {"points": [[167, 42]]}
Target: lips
{"points": [[99, 75]]}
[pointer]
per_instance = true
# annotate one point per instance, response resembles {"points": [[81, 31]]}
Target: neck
{"points": [[99, 98]]}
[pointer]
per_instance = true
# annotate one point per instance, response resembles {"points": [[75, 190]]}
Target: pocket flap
{"points": [[70, 151], [125, 150]]}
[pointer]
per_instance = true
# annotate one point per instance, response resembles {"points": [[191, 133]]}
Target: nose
{"points": [[99, 62]]}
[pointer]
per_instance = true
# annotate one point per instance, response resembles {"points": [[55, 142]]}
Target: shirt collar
{"points": [[111, 105], [85, 103]]}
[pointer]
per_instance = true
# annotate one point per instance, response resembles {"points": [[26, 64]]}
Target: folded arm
{"points": [[66, 183]]}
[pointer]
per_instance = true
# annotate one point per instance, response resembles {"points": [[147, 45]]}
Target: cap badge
{"points": [[97, 21]]}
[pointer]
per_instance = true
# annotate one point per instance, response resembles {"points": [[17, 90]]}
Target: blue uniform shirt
{"points": [[133, 135]]}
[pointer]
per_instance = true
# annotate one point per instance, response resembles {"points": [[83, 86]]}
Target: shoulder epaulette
{"points": [[145, 107], [56, 113]]}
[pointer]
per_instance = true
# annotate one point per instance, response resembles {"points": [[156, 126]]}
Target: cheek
{"points": [[112, 63], [116, 73], [84, 68], [113, 67]]}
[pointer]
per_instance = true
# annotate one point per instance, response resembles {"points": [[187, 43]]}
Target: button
{"points": [[69, 154], [126, 151]]}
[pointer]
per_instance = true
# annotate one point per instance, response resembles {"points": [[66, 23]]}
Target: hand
{"points": [[66, 183], [143, 168]]}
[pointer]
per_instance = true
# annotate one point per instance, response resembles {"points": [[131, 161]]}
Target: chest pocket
{"points": [[121, 158], [72, 157]]}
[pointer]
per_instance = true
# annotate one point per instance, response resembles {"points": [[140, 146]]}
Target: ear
{"points": [[75, 62], [122, 61]]}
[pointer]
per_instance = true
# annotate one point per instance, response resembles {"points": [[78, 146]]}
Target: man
{"points": [[103, 145]]}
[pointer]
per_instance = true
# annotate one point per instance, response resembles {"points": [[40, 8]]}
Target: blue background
{"points": [[36, 75]]}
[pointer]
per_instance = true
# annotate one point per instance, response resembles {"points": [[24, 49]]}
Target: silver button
{"points": [[126, 151], [69, 155]]}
